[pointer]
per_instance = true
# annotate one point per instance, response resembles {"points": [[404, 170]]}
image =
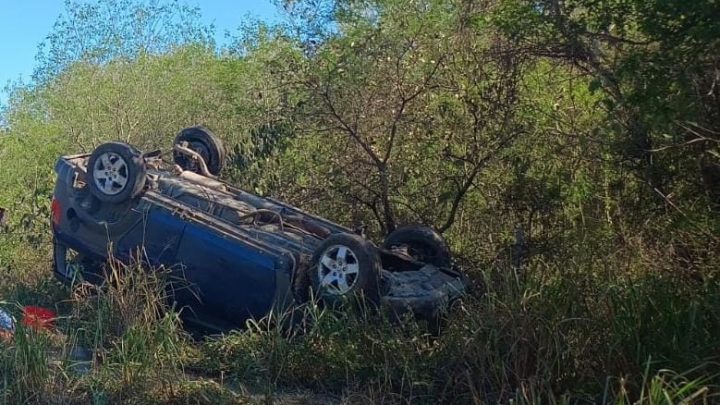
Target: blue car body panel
{"points": [[158, 234], [214, 262]]}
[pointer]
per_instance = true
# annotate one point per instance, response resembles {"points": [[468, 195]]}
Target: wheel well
{"points": [[392, 261]]}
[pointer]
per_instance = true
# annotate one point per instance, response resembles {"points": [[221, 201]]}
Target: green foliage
{"points": [[655, 63], [413, 105], [589, 127]]}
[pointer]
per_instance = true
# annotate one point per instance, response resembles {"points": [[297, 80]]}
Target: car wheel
{"points": [[71, 264], [203, 141], [421, 243], [346, 265], [116, 172]]}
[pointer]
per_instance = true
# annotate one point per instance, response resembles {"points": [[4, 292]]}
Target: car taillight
{"points": [[56, 211]]}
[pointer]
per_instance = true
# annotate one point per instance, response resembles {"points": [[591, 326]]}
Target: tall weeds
{"points": [[621, 324], [119, 341]]}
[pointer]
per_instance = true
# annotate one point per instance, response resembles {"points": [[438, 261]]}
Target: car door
{"points": [[225, 277], [155, 239]]}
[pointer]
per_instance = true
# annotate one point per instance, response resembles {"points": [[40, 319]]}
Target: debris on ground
{"points": [[38, 318], [7, 326], [81, 360]]}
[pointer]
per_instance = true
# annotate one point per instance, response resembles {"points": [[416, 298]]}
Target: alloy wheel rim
{"points": [[338, 270], [110, 173]]}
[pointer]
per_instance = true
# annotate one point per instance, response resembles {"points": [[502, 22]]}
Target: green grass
{"points": [[585, 332]]}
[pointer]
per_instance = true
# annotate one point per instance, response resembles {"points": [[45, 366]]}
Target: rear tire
{"points": [[116, 172], [203, 141]]}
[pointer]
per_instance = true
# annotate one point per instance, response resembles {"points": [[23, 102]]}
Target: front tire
{"points": [[421, 243], [344, 266], [209, 146]]}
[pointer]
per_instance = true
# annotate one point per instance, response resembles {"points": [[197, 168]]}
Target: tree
{"points": [[657, 64], [108, 30], [416, 99]]}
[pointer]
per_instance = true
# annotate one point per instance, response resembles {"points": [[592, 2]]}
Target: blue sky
{"points": [[26, 23]]}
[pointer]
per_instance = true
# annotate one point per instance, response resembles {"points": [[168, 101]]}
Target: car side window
{"points": [[196, 202], [230, 215]]}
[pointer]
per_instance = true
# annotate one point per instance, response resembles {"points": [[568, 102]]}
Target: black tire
{"points": [[116, 172], [360, 255], [423, 244], [203, 141]]}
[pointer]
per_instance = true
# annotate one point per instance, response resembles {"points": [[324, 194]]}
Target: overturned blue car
{"points": [[239, 255]]}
